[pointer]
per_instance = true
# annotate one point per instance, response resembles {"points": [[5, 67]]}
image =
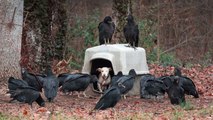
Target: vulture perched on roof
{"points": [[106, 29], [131, 32]]}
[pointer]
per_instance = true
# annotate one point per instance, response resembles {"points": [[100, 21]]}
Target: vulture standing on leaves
{"points": [[106, 29], [151, 87], [131, 32], [125, 83], [167, 80], [34, 81], [109, 99], [176, 92], [77, 82], [62, 77], [20, 91], [50, 85], [13, 83], [116, 77], [186, 83]]}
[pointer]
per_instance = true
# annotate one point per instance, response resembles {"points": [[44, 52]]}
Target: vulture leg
{"points": [[124, 97], [85, 95]]}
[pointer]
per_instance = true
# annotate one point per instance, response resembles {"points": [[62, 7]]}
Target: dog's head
{"points": [[104, 71]]}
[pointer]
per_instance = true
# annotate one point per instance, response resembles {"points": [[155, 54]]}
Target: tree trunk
{"points": [[121, 8], [43, 34], [11, 20]]}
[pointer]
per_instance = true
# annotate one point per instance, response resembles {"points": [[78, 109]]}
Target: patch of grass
{"points": [[207, 59], [189, 65], [60, 116], [136, 116], [187, 106], [177, 115], [166, 59], [7, 117], [3, 117], [169, 59], [206, 111]]}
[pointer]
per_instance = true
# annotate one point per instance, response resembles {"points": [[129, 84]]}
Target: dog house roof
{"points": [[121, 57]]}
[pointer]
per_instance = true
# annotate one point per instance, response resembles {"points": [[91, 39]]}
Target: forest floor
{"points": [[71, 107]]}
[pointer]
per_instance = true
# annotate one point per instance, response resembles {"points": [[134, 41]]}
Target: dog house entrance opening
{"points": [[98, 63]]}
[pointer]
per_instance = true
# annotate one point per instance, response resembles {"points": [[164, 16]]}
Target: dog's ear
{"points": [[110, 69], [99, 69]]}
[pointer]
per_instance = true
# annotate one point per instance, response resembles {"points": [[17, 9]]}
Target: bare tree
{"points": [[11, 17]]}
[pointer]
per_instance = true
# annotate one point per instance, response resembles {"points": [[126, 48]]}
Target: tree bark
{"points": [[11, 20], [121, 8], [44, 33]]}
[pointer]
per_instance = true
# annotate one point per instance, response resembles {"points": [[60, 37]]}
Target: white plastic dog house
{"points": [[117, 56]]}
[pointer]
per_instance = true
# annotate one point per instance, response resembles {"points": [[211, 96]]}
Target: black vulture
{"points": [[14, 84], [116, 77], [131, 32], [32, 79], [177, 71], [167, 80], [189, 87], [125, 82], [78, 82], [186, 83], [67, 76], [144, 78], [109, 99], [27, 95], [62, 78], [106, 29], [50, 85], [151, 87], [176, 92], [22, 92]]}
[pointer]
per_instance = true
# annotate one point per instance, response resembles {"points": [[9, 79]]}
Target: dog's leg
{"points": [[99, 87]]}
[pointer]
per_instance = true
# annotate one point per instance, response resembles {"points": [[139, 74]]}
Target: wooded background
{"points": [[171, 31]]}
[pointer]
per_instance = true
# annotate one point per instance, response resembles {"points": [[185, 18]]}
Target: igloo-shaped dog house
{"points": [[117, 56]]}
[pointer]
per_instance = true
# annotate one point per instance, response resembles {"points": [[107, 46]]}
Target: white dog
{"points": [[104, 78]]}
